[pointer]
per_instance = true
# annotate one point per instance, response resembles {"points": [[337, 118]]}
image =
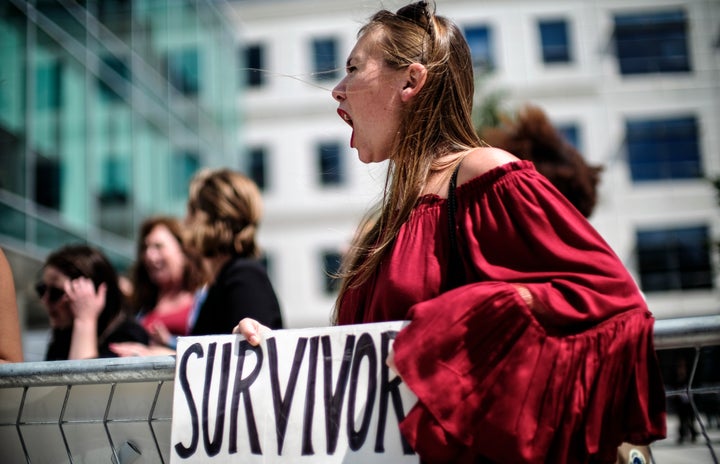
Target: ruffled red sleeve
{"points": [[564, 382]]}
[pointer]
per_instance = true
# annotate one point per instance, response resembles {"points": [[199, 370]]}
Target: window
{"points": [[254, 63], [325, 56], [555, 41], [112, 12], [183, 71], [114, 79], [12, 161], [652, 42], [331, 268], [256, 166], [115, 187], [571, 133], [330, 165], [674, 259], [182, 169], [663, 149], [479, 39], [48, 175], [48, 86]]}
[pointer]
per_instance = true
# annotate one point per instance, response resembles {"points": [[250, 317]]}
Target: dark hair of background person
{"points": [[145, 291], [532, 136]]}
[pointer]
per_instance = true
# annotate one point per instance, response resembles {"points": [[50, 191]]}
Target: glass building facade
{"points": [[107, 108]]}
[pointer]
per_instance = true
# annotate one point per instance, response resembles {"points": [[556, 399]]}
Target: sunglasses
{"points": [[53, 293]]}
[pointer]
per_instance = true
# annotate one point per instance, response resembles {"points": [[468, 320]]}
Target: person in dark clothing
{"points": [[224, 211], [79, 289]]}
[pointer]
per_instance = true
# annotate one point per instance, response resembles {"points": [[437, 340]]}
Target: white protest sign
{"points": [[320, 395]]}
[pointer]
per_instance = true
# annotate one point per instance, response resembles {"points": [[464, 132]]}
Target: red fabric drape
{"points": [[565, 381]]}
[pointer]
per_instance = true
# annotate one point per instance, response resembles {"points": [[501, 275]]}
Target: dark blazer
{"points": [[241, 289]]}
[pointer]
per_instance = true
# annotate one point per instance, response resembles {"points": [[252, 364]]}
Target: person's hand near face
{"points": [[73, 303], [86, 303]]}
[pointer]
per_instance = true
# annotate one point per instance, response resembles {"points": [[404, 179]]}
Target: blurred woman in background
{"points": [[80, 292], [164, 280], [224, 212]]}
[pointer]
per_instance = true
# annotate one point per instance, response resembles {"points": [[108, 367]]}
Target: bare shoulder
{"points": [[5, 271], [481, 160]]}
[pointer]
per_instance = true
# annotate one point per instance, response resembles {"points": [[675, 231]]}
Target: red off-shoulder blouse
{"points": [[564, 382]]}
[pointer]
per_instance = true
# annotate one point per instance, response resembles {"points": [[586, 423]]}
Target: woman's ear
{"points": [[415, 76]]}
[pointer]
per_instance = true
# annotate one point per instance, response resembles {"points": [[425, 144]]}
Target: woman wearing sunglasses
{"points": [[80, 292]]}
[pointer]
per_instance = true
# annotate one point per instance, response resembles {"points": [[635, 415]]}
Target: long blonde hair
{"points": [[436, 122]]}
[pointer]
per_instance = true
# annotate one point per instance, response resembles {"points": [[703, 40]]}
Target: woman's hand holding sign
{"points": [[252, 330]]}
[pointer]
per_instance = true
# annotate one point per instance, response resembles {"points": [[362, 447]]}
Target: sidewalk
{"points": [[668, 451]]}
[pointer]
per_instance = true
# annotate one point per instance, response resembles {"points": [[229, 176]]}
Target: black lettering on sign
{"points": [[389, 388], [242, 388], [212, 447], [365, 349], [307, 447], [281, 405], [334, 397], [357, 376], [182, 450]]}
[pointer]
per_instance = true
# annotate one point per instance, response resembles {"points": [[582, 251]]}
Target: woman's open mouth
{"points": [[346, 117]]}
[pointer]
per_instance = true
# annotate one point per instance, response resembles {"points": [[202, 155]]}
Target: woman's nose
{"points": [[338, 92]]}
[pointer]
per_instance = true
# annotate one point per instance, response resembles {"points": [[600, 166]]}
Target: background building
{"points": [[106, 110]]}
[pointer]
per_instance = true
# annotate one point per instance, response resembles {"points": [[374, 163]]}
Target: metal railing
{"points": [[100, 410], [695, 333], [120, 410]]}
